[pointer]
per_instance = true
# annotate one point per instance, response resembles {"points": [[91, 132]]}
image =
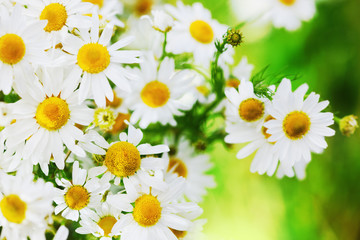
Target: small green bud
{"points": [[348, 125]]}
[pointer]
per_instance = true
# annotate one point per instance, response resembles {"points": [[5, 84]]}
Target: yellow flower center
{"points": [[296, 125], [120, 124], [143, 7], [179, 234], [104, 118], [12, 48], [13, 208], [56, 15], [106, 224], [77, 197], [180, 167], [52, 113], [100, 3], [155, 94], [201, 31], [251, 109], [264, 129], [233, 82], [122, 159], [93, 58], [203, 90], [288, 2], [147, 210]]}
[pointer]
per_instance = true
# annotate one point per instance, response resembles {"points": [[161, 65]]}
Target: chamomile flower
{"points": [[193, 167], [128, 161], [108, 11], [160, 21], [21, 44], [97, 62], [45, 118], [243, 105], [266, 158], [154, 212], [25, 206], [195, 31], [61, 15], [242, 72], [156, 95], [290, 13], [100, 222], [79, 195], [299, 127]]}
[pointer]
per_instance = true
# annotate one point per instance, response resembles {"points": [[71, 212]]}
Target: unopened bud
{"points": [[234, 37], [348, 125]]}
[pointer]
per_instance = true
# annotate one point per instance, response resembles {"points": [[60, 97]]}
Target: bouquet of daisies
{"points": [[109, 109]]}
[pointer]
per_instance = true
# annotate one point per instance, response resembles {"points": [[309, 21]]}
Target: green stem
{"points": [[164, 53]]}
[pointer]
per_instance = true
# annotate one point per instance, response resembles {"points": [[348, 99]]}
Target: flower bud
{"points": [[348, 125], [161, 21], [234, 37]]}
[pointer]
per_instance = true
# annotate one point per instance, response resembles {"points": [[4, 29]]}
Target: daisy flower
{"points": [[25, 206], [193, 167], [97, 61], [61, 15], [21, 44], [290, 13], [244, 106], [299, 126], [195, 31], [101, 222], [79, 195], [156, 93], [241, 72], [45, 118], [108, 11], [160, 20], [154, 212], [128, 161], [256, 139]]}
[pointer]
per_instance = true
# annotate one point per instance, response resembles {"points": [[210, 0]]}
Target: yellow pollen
{"points": [[251, 109], [296, 125], [120, 124], [106, 224], [179, 234], [100, 3], [13, 208], [147, 210], [104, 118], [264, 129], [288, 2], [233, 82], [93, 58], [203, 90], [143, 7], [52, 113], [180, 167], [115, 103], [122, 159], [155, 94], [56, 15], [201, 31], [77, 197], [12, 48]]}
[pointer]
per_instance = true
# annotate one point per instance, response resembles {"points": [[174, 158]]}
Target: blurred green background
{"points": [[326, 53]]}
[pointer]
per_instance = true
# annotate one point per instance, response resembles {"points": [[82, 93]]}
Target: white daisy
{"points": [[97, 61], [242, 71], [101, 222], [45, 117], [290, 13], [128, 161], [62, 16], [108, 11], [5, 114], [154, 212], [160, 20], [25, 206], [156, 93], [21, 44], [244, 106], [299, 126], [193, 167], [79, 195], [195, 31]]}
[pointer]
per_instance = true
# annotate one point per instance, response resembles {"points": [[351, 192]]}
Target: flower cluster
{"points": [[109, 110]]}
